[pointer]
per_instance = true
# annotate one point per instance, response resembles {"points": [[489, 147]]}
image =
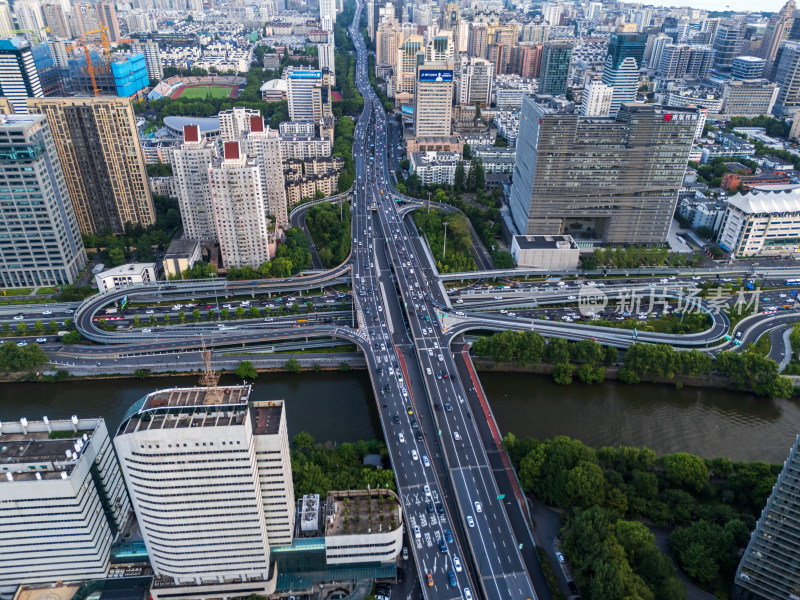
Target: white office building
{"points": [[325, 57], [209, 478], [19, 78], [596, 100], [122, 275], [190, 164], [435, 167], [62, 501], [309, 94], [761, 223], [51, 252], [239, 208]]}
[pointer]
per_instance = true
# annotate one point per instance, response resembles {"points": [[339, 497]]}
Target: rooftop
{"points": [[127, 269], [362, 511], [266, 417], [206, 124], [755, 202], [545, 242], [181, 248]]}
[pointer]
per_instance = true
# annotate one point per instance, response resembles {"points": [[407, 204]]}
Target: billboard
{"points": [[435, 75], [407, 110], [305, 75]]}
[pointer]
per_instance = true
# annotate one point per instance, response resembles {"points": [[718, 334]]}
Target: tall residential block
{"points": [[210, 481], [35, 200], [235, 122], [56, 20], [62, 500], [433, 100], [190, 164], [621, 70], [239, 208], [264, 144], [770, 567], [596, 100], [478, 40], [107, 15], [152, 58], [98, 146], [728, 43], [609, 180], [553, 75], [309, 93], [326, 59], [19, 79], [410, 55]]}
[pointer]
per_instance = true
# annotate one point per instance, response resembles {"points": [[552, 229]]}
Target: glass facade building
{"points": [[770, 567], [555, 68]]}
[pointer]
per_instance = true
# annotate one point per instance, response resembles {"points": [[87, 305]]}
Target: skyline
{"points": [[723, 5]]}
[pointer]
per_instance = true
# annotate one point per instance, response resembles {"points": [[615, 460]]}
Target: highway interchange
{"points": [[466, 540]]}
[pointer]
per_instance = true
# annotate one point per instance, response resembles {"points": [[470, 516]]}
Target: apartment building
{"points": [[475, 81], [309, 94], [239, 208], [264, 144], [62, 500], [190, 164], [34, 199], [103, 163], [234, 123]]}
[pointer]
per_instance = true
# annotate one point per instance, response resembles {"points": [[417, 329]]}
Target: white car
{"points": [[146, 330], [457, 564], [572, 297], [417, 532], [401, 438], [470, 521], [428, 371], [441, 358], [22, 343], [47, 312], [435, 344], [425, 460], [478, 507], [560, 557], [467, 594], [177, 307], [414, 455], [456, 436], [150, 312], [41, 340], [18, 317]]}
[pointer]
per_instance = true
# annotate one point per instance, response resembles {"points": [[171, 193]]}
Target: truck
{"points": [[111, 311]]}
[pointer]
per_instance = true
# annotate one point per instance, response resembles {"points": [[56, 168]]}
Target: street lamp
{"points": [[444, 243]]}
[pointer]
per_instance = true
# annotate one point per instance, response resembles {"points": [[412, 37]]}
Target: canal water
{"points": [[339, 407]]}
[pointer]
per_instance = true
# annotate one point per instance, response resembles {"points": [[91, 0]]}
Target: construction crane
{"points": [[89, 66], [35, 32]]}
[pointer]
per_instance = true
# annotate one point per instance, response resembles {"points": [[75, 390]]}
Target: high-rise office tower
{"points": [[56, 20], [553, 75], [596, 100], [475, 81], [210, 481], [478, 40], [728, 43], [623, 62], [63, 501], [585, 175], [770, 567], [98, 146], [787, 76], [237, 195], [190, 164], [440, 48], [234, 123], [659, 42], [152, 58], [309, 94], [777, 31], [433, 100], [107, 14], [500, 57], [410, 55], [264, 144], [528, 59], [19, 79], [387, 41], [53, 254], [551, 12]]}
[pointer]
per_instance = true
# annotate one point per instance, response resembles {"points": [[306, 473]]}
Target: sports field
{"points": [[202, 91]]}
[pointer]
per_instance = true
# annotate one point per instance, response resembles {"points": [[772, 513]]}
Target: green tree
{"points": [[292, 366], [246, 370], [239, 312], [116, 256], [255, 313], [685, 470], [38, 326], [460, 178], [224, 314], [466, 152], [181, 316], [196, 314], [22, 328], [53, 326], [72, 337], [562, 373]]}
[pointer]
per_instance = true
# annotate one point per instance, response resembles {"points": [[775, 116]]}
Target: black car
{"points": [[418, 436], [440, 508], [429, 507], [396, 419], [573, 589]]}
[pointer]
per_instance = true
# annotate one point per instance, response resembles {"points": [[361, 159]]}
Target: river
{"points": [[339, 407]]}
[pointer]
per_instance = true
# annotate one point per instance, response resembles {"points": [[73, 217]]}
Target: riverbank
{"points": [[719, 382]]}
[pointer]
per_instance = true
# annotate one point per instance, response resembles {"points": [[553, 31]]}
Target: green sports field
{"points": [[201, 92]]}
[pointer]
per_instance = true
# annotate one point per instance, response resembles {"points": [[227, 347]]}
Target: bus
{"points": [[791, 282]]}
